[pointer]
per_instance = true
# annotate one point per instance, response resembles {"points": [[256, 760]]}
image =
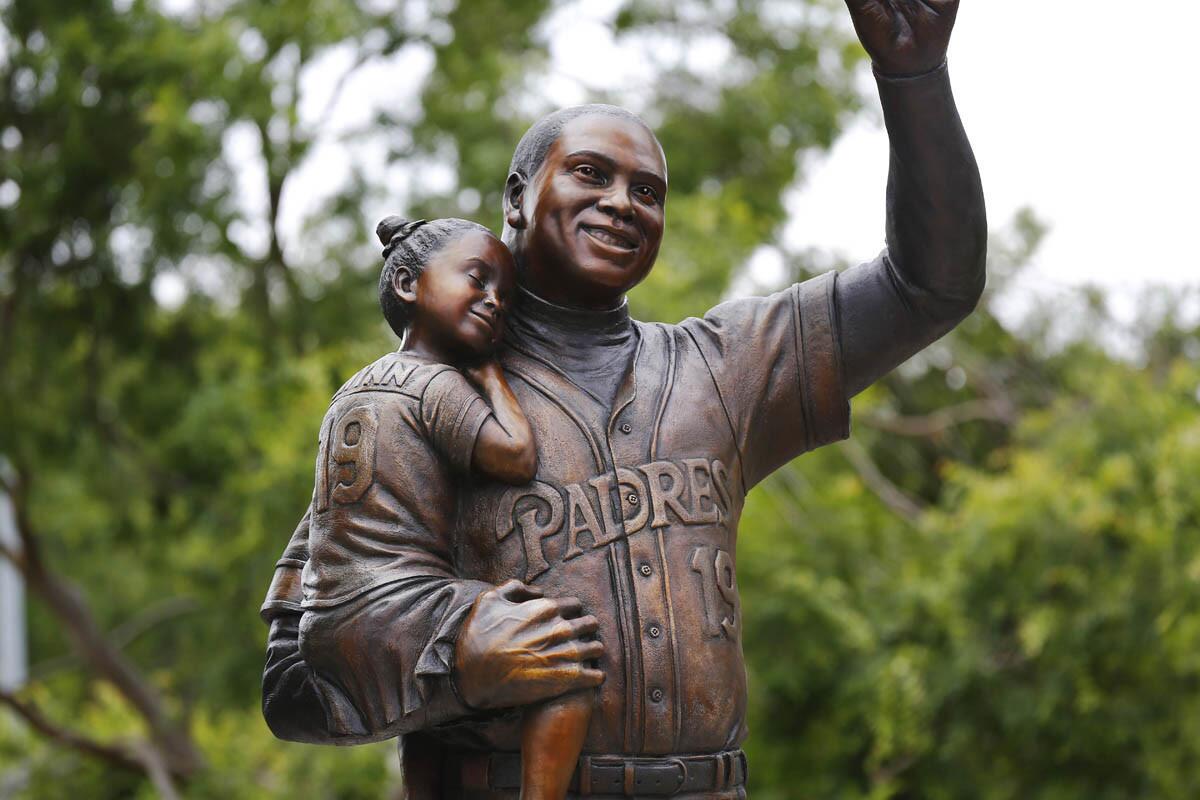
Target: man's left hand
{"points": [[904, 37]]}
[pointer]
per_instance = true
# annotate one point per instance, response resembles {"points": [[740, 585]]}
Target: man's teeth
{"points": [[609, 238]]}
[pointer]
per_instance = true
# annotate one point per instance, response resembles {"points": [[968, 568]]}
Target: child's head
{"points": [[446, 283]]}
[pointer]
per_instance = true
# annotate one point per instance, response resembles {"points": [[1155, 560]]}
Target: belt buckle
{"points": [[682, 768], [682, 776], [648, 772]]}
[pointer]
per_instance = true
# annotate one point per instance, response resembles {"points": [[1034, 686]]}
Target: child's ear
{"points": [[404, 284], [514, 201]]}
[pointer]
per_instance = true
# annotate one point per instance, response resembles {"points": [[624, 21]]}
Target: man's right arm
{"points": [[514, 648], [298, 704]]}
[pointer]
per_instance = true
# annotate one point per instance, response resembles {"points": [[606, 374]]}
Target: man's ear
{"points": [[404, 284], [514, 201]]}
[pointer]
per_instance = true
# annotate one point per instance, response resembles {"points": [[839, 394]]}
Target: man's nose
{"points": [[616, 201]]}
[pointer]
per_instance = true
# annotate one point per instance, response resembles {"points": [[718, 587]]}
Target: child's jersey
{"points": [[384, 499]]}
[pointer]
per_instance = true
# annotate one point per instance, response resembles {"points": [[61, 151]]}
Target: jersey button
{"points": [[645, 570], [626, 427], [654, 631], [657, 695], [633, 498]]}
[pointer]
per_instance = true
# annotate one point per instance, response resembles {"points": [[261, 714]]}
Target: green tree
{"points": [[156, 443], [991, 590]]}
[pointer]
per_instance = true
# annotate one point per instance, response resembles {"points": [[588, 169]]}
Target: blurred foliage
{"points": [[991, 591]]}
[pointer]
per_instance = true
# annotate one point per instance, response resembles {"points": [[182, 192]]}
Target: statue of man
{"points": [[649, 437]]}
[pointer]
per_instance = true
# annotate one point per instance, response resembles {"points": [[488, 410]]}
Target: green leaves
{"points": [[1034, 631]]}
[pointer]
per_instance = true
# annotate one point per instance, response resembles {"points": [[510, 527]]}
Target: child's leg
{"points": [[552, 737], [421, 766]]}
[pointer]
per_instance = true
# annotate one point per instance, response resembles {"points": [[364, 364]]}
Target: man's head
{"points": [[584, 205]]}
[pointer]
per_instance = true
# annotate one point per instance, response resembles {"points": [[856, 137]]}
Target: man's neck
{"points": [[593, 347]]}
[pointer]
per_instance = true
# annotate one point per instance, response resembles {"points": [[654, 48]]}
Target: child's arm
{"points": [[505, 449]]}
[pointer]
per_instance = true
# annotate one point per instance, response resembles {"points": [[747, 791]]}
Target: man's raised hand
{"points": [[904, 37], [517, 647]]}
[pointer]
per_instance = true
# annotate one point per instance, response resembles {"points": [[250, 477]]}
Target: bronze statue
{"points": [[648, 438], [396, 440]]}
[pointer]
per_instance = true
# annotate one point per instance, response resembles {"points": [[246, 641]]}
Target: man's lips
{"points": [[611, 237]]}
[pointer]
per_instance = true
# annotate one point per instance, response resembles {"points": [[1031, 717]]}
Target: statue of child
{"points": [[396, 440]]}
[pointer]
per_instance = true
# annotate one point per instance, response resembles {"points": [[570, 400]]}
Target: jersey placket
{"points": [[653, 693]]}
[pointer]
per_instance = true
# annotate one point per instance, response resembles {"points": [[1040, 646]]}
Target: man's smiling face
{"points": [[593, 214]]}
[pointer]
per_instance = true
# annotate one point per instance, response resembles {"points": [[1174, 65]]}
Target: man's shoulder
{"points": [[746, 320]]}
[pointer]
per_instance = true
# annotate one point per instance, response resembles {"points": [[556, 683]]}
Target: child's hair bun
{"points": [[394, 229], [409, 244]]}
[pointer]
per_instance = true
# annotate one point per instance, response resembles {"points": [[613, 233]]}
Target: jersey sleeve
{"points": [[776, 363], [390, 652], [286, 590], [403, 636], [298, 704], [453, 413]]}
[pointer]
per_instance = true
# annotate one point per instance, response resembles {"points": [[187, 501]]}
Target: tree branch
{"points": [[157, 770], [11, 556], [113, 754], [991, 409], [67, 603], [891, 495], [127, 632], [394, 43], [13, 484]]}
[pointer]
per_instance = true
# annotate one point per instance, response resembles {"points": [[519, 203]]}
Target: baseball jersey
{"points": [[634, 510], [396, 441], [636, 504]]}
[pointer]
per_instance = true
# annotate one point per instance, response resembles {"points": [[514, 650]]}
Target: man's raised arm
{"points": [[932, 274]]}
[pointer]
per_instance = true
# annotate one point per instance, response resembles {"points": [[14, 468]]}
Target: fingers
{"points": [[589, 651], [587, 678], [516, 592], [543, 609], [584, 626], [569, 629], [569, 607], [572, 652]]}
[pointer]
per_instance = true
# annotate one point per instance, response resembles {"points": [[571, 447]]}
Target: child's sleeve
{"points": [[453, 413]]}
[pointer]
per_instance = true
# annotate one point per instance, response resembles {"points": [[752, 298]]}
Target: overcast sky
{"points": [[1085, 112], [1089, 113]]}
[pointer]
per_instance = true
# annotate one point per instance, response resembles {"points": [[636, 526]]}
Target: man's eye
{"points": [[588, 172], [647, 193]]}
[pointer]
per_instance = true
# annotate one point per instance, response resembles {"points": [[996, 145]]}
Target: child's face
{"points": [[462, 294]]}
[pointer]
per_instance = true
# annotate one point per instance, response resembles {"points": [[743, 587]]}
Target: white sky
{"points": [[1085, 112], [1089, 113]]}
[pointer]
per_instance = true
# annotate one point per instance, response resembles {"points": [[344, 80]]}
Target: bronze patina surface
{"points": [[617, 562]]}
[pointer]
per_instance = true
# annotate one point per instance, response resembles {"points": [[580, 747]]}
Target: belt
{"points": [[629, 776]]}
